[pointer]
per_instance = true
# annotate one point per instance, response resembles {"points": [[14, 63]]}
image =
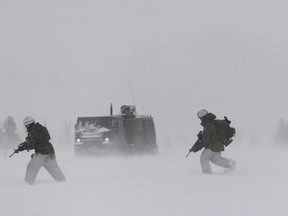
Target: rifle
{"points": [[21, 147], [197, 145]]}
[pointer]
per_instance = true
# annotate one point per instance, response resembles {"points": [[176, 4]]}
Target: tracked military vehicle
{"points": [[126, 133]]}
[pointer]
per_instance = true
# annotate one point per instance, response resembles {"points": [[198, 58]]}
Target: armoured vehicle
{"points": [[126, 133]]}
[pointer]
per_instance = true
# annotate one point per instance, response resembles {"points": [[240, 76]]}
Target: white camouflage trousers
{"points": [[49, 162], [215, 157]]}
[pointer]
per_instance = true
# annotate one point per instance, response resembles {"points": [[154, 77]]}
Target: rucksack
{"points": [[225, 131]]}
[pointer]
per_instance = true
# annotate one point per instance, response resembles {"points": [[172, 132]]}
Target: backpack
{"points": [[225, 131]]}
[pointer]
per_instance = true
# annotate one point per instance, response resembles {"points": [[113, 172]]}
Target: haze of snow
{"points": [[64, 59]]}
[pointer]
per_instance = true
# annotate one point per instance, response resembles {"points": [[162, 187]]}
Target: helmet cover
{"points": [[202, 113], [28, 120]]}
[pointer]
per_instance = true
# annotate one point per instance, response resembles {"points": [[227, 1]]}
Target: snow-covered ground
{"points": [[166, 184]]}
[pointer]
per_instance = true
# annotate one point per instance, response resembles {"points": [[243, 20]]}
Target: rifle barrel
{"points": [[188, 153], [12, 154]]}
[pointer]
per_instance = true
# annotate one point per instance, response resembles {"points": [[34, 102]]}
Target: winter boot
{"points": [[232, 164]]}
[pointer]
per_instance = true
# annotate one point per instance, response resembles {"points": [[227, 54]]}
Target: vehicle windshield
{"points": [[92, 127]]}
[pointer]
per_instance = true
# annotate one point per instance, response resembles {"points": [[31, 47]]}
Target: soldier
{"points": [[212, 145], [38, 139]]}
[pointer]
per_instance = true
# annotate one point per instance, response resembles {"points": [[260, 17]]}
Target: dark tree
{"points": [[9, 126], [11, 138], [282, 132]]}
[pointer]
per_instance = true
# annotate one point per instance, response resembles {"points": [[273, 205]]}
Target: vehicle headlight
{"points": [[78, 141], [107, 139]]}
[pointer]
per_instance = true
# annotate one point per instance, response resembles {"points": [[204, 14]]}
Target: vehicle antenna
{"points": [[131, 92], [144, 110], [111, 109]]}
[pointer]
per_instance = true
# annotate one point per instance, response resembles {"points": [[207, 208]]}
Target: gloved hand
{"points": [[21, 147], [228, 142]]}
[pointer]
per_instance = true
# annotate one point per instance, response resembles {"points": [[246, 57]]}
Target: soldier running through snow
{"points": [[38, 139], [213, 146]]}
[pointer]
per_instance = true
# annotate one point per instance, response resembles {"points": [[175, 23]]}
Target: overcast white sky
{"points": [[63, 59]]}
